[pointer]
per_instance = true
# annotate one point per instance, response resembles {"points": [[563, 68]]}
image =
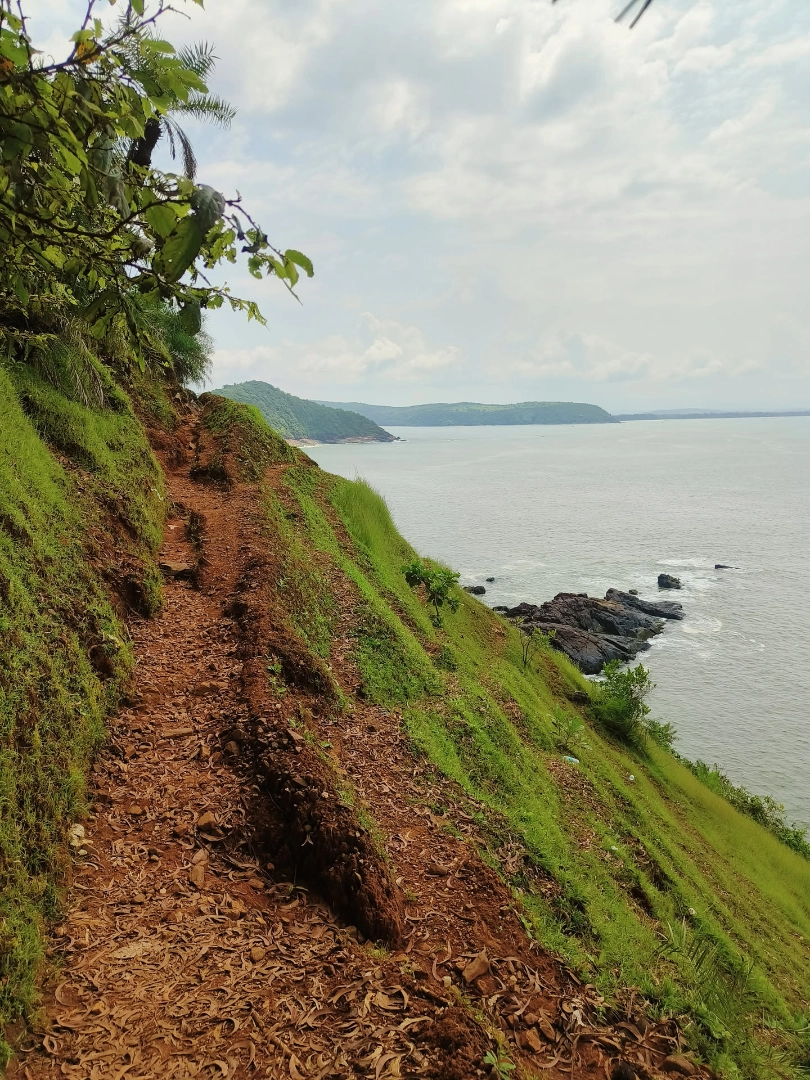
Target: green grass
{"points": [[388, 620], [306, 592], [243, 434], [73, 481], [655, 882], [630, 861]]}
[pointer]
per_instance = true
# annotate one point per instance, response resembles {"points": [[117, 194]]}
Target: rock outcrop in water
{"points": [[590, 631], [667, 581]]}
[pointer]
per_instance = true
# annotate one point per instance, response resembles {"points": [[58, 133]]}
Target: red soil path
{"points": [[190, 950]]}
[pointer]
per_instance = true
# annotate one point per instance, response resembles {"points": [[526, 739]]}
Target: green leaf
{"points": [[21, 291], [208, 205], [300, 260], [158, 45], [182, 248], [279, 268], [162, 219], [69, 160], [292, 273], [137, 6], [191, 317]]}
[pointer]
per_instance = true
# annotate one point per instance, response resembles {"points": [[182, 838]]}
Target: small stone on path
{"points": [[477, 967], [197, 875]]}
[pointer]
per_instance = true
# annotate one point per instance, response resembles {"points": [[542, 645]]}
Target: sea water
{"points": [[585, 508]]}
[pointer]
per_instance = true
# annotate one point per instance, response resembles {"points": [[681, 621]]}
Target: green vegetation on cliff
{"points": [[472, 414], [297, 418], [81, 512], [632, 869], [624, 863]]}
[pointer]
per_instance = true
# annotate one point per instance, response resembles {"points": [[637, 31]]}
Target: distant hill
{"points": [[472, 414], [703, 414], [302, 420]]}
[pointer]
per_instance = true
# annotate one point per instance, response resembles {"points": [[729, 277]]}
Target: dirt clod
{"points": [[677, 1063], [477, 967]]}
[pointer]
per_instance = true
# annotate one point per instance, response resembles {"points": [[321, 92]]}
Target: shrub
{"points": [[661, 733], [531, 640], [620, 706], [438, 583], [567, 730]]}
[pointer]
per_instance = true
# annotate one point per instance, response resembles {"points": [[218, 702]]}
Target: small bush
{"points": [[439, 584], [661, 733], [567, 730], [532, 640], [620, 706]]}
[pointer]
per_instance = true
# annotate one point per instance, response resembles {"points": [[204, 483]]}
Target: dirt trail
{"points": [[185, 953]]}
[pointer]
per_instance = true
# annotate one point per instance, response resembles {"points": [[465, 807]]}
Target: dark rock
{"points": [[663, 609], [723, 566], [178, 570], [633, 592], [501, 609], [667, 581], [592, 632], [490, 580], [476, 590], [623, 1070]]}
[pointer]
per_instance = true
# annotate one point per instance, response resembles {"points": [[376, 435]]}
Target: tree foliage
{"points": [[87, 222], [532, 638], [621, 704], [439, 584]]}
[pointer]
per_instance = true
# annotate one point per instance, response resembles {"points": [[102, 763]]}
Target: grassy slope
{"points": [[610, 862], [655, 882], [471, 413], [297, 418], [66, 472]]}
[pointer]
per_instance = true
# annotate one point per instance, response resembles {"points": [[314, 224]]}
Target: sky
{"points": [[510, 200]]}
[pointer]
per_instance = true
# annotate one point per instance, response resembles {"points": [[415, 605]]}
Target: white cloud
{"points": [[390, 351], [523, 180]]}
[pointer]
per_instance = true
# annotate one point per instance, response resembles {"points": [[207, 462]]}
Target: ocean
{"points": [[582, 509]]}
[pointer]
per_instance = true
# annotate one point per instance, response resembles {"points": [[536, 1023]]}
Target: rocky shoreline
{"points": [[591, 631]]}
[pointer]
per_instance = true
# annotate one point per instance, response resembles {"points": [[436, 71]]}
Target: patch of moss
{"points": [[71, 478]]}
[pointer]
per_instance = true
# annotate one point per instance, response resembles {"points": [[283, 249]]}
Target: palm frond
{"points": [[214, 110], [178, 137], [628, 7], [198, 58], [644, 5]]}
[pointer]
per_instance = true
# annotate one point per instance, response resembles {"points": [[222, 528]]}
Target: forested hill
{"points": [[296, 418], [473, 414]]}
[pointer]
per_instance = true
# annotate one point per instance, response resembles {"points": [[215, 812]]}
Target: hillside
{"points": [[305, 421], [471, 414], [704, 414], [323, 834]]}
